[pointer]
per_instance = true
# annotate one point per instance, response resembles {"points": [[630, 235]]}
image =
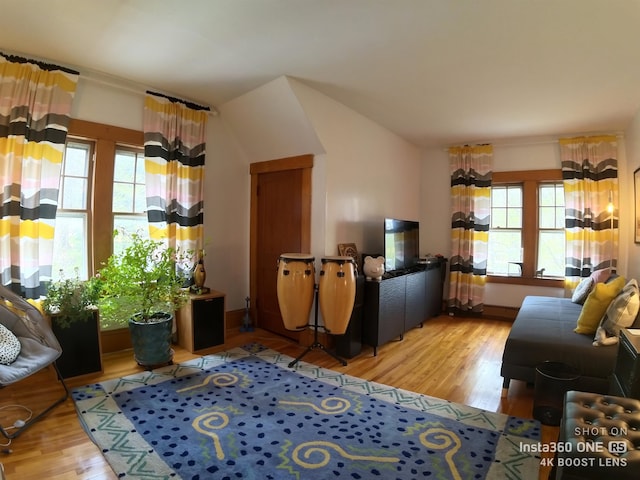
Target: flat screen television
{"points": [[401, 244]]}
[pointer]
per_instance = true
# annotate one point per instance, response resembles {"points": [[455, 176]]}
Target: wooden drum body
{"points": [[295, 286], [337, 292]]}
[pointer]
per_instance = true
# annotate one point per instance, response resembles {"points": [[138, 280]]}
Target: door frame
{"points": [[304, 162]]}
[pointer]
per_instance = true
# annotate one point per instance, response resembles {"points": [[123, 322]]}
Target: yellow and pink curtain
{"points": [[590, 178], [471, 172], [174, 148], [35, 108]]}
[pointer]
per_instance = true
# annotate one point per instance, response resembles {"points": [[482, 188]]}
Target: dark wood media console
{"points": [[401, 302]]}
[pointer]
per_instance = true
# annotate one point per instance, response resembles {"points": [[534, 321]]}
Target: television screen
{"points": [[401, 244]]}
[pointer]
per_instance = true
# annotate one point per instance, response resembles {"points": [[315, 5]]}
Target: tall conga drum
{"points": [[337, 292], [296, 281]]}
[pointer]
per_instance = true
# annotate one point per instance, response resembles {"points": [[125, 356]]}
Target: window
{"points": [[129, 204], [526, 236], [101, 187], [505, 234], [73, 217], [551, 238]]}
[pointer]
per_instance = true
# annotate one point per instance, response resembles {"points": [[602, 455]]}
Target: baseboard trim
{"points": [[500, 313]]}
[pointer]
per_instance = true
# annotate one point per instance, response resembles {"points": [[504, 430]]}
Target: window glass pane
{"points": [[125, 165], [141, 199], [498, 196], [123, 197], [76, 160], [70, 246], [505, 251], [140, 174], [551, 245], [498, 218], [74, 193], [128, 224], [547, 195], [514, 219], [547, 218], [514, 196], [560, 214]]}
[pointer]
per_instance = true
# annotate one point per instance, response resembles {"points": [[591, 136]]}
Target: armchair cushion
{"points": [[39, 346], [9, 346]]}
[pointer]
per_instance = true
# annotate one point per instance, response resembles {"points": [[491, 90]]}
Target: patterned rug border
{"points": [[510, 462]]}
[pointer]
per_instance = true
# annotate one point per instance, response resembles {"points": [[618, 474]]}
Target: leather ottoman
{"points": [[599, 437]]}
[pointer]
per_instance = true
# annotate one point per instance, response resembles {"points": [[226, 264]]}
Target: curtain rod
{"points": [[39, 63], [526, 142], [131, 88], [105, 79]]}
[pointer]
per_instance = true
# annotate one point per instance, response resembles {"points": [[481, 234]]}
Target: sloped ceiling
{"points": [[437, 72]]}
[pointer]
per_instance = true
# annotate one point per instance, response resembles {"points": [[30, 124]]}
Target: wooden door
{"points": [[280, 223]]}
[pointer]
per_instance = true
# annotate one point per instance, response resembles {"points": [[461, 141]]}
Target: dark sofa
{"points": [[543, 330]]}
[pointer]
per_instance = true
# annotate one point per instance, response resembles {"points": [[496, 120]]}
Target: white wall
{"points": [[269, 123], [521, 154], [370, 173], [362, 172]]}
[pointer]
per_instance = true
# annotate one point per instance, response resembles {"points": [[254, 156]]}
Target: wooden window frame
{"points": [[530, 181], [106, 140]]}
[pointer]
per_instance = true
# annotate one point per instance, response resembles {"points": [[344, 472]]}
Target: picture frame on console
{"points": [[350, 250]]}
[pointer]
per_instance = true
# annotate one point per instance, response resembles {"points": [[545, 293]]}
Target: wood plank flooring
{"points": [[457, 359]]}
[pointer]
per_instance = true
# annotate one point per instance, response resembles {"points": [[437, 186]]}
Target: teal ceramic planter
{"points": [[152, 341]]}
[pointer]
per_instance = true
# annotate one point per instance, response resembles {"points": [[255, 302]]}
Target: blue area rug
{"points": [[244, 414]]}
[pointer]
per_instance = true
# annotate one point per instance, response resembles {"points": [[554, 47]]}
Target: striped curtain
{"points": [[471, 170], [35, 107], [590, 173], [174, 148]]}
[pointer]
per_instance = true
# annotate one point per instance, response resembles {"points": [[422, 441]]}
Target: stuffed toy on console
{"points": [[373, 268]]}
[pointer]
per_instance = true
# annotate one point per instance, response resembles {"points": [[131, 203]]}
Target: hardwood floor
{"points": [[451, 358]]}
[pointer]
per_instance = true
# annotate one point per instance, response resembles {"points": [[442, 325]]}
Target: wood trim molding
{"points": [[551, 174], [93, 131], [289, 163]]}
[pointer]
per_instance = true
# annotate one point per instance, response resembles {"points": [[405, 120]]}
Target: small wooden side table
{"points": [[201, 323]]}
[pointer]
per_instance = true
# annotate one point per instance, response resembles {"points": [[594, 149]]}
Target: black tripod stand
{"points": [[316, 343]]}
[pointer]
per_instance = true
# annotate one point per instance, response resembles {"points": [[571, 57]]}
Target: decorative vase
{"points": [[199, 273]]}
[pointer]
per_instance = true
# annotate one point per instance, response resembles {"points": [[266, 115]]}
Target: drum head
{"points": [[339, 259], [297, 256]]}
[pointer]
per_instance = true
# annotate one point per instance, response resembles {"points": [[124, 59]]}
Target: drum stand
{"points": [[316, 343]]}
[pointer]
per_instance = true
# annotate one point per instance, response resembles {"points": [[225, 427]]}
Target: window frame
{"points": [[530, 181], [85, 211], [106, 139]]}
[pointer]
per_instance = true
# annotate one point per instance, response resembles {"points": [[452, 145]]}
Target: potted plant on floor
{"points": [[142, 286], [71, 304]]}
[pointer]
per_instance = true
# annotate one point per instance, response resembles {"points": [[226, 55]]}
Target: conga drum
{"points": [[296, 280], [337, 292]]}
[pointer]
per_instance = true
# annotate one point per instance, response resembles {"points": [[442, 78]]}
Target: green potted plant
{"points": [[142, 286], [71, 304]]}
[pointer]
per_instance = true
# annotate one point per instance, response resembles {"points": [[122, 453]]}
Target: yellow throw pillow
{"points": [[37, 303], [596, 305]]}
